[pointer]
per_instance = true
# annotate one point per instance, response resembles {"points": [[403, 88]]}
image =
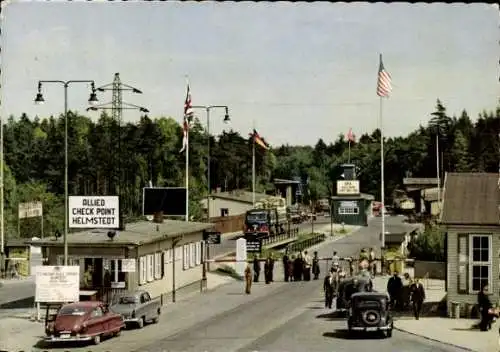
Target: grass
{"points": [[226, 270]]}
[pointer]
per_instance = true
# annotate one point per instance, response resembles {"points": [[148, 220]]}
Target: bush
{"points": [[229, 271], [430, 245]]}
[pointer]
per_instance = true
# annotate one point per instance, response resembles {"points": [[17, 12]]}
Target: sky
{"points": [[296, 72]]}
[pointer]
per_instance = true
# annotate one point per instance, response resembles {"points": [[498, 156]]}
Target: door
{"points": [[97, 321]]}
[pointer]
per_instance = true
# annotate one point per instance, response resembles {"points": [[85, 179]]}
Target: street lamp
{"points": [[39, 99], [225, 120]]}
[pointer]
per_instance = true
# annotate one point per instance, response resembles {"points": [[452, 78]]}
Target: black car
{"points": [[369, 312], [350, 286]]}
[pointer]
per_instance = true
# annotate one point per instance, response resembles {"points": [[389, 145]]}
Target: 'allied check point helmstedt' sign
{"points": [[94, 212]]}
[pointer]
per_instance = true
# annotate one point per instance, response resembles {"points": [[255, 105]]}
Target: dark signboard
{"points": [[169, 200], [211, 237], [254, 246]]}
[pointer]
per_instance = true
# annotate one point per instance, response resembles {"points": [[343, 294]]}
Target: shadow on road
{"points": [[20, 303], [344, 334], [332, 316]]}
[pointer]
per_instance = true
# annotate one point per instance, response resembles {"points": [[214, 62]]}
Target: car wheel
{"points": [[140, 323], [97, 339], [157, 318], [118, 333]]}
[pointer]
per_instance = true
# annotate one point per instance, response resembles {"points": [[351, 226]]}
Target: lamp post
{"points": [[226, 120], [123, 106], [40, 100]]}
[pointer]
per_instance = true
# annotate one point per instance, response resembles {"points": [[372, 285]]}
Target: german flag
{"points": [[258, 139]]}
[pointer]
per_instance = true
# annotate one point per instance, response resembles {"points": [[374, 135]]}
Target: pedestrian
{"points": [[256, 269], [267, 271], [417, 292], [373, 264], [394, 287], [298, 269], [285, 266], [248, 280], [485, 308], [307, 266], [315, 266], [271, 261], [290, 268], [328, 288]]}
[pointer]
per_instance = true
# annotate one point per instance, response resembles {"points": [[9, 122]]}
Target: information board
{"points": [[254, 246], [94, 212], [128, 265], [57, 284], [347, 187], [30, 210], [212, 237]]}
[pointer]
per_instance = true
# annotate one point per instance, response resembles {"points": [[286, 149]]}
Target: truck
{"points": [[268, 217]]}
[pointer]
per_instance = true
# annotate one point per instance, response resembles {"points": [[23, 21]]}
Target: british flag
{"points": [[188, 115]]}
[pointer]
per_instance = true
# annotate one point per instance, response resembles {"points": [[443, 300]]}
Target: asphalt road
{"points": [[277, 317]]}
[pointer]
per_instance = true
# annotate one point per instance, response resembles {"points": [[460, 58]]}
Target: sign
{"points": [[57, 284], [348, 204], [347, 187], [128, 265], [254, 246], [30, 210], [212, 237], [241, 256], [94, 212]]}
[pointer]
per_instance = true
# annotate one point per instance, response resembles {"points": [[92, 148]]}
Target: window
{"points": [[185, 257], [348, 211], [198, 253], [224, 212], [192, 255], [116, 271], [178, 254], [480, 261], [150, 267], [158, 261], [167, 255], [97, 313], [143, 272]]}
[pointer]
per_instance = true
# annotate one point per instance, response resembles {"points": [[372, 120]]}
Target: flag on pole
{"points": [[350, 136], [188, 115], [258, 139], [383, 81]]}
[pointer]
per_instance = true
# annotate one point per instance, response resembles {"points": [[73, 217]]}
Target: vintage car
{"points": [[369, 311], [83, 321], [350, 286], [137, 307]]}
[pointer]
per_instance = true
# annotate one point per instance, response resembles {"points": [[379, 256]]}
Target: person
{"points": [[485, 308], [289, 267], [248, 280], [335, 261], [373, 265], [267, 271], [285, 266], [256, 269], [271, 266], [315, 266], [328, 288], [298, 269], [87, 277], [394, 286], [417, 292], [307, 266]]}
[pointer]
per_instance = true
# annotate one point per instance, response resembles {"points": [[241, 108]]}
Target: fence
{"points": [[300, 245], [225, 224], [292, 234]]}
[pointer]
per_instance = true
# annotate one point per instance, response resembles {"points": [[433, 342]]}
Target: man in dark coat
{"points": [[268, 271], [256, 269], [271, 273], [315, 266], [285, 266], [328, 288], [485, 308], [394, 288], [417, 292], [298, 269]]}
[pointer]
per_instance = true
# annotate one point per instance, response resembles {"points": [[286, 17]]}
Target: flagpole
{"points": [[382, 183], [438, 172], [187, 162], [253, 166], [349, 158]]}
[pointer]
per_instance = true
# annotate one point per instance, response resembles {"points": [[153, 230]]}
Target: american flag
{"points": [[188, 115], [383, 81], [350, 136]]}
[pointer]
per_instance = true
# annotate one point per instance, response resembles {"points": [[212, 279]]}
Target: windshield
{"points": [[76, 311], [127, 300], [257, 217], [368, 304]]}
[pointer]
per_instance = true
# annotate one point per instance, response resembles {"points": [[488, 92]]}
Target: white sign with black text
{"points": [[30, 210], [128, 265], [55, 284], [347, 187], [94, 212]]}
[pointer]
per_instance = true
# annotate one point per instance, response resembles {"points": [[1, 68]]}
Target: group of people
{"points": [[403, 293]]}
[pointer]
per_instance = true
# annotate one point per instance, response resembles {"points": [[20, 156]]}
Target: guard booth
{"points": [[350, 206]]}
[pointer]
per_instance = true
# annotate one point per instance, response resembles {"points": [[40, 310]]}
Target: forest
{"points": [[105, 156]]}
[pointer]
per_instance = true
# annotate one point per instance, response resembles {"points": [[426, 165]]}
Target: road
{"points": [[277, 317]]}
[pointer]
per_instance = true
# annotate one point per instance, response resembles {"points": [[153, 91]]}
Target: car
{"points": [[83, 321], [370, 312], [350, 286], [137, 307]]}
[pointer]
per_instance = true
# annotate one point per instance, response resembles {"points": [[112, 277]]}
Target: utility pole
{"points": [[117, 106]]}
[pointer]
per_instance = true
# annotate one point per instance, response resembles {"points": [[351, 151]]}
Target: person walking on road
{"points": [[394, 287], [298, 268], [289, 267], [307, 266], [373, 264], [267, 271], [417, 292], [248, 280], [328, 288], [256, 269], [315, 266], [271, 266], [485, 308], [285, 266]]}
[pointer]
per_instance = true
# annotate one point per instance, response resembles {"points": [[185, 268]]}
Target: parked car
{"points": [[83, 321], [137, 307], [369, 312]]}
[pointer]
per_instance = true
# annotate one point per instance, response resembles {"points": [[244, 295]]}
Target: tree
{"points": [[460, 153]]}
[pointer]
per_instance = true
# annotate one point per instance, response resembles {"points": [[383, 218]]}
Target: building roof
{"points": [[420, 181], [240, 196], [281, 181], [471, 199], [135, 234], [353, 197]]}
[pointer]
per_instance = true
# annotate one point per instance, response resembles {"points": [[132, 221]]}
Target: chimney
{"points": [[158, 217]]}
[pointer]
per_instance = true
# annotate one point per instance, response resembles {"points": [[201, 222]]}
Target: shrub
{"points": [[430, 245]]}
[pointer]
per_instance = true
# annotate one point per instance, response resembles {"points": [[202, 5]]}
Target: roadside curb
{"points": [[434, 340]]}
